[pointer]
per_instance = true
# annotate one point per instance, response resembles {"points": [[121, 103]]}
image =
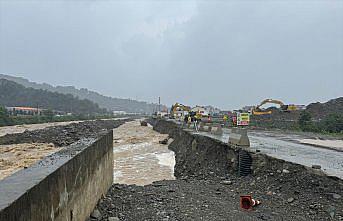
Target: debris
{"points": [[164, 141], [144, 124], [113, 219], [317, 167], [96, 214], [332, 211], [247, 202], [290, 200], [226, 182], [285, 171], [336, 196]]}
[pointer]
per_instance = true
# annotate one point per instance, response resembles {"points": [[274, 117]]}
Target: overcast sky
{"points": [[224, 53]]}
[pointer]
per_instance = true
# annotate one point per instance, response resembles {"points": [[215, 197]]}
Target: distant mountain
{"points": [[13, 94], [110, 103]]}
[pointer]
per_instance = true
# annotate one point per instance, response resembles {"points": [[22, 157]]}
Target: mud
{"points": [[208, 187], [20, 156], [330, 144]]}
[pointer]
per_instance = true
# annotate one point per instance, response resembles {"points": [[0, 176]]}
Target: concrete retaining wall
{"points": [[63, 187]]}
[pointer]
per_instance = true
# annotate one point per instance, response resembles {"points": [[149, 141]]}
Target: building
{"points": [[24, 110], [119, 112], [248, 109], [213, 111], [201, 110]]}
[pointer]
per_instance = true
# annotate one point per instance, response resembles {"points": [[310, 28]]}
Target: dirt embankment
{"points": [[62, 135], [289, 120], [208, 188], [321, 110]]}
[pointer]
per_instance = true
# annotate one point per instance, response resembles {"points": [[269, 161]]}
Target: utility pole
{"points": [[159, 104]]}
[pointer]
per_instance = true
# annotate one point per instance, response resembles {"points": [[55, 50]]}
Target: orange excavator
{"points": [[286, 108]]}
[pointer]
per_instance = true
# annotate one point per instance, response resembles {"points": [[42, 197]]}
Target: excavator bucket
{"points": [[239, 137]]}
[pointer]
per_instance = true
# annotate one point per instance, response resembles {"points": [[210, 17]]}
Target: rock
{"points": [[165, 141], [317, 167], [226, 182], [332, 211], [285, 171], [290, 200], [96, 214], [279, 171], [144, 124], [336, 196], [113, 219]]}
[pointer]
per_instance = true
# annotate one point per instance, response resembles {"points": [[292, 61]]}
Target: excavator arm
{"points": [[257, 110]]}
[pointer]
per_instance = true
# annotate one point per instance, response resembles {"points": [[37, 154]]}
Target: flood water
{"points": [[138, 157]]}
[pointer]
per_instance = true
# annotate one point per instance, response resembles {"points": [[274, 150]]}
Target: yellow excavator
{"points": [[178, 108], [286, 108]]}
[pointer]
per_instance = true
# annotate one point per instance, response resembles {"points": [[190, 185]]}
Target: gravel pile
{"points": [[218, 199], [62, 135], [321, 110]]}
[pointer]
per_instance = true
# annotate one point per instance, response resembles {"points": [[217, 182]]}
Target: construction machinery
{"points": [[286, 108], [178, 110]]}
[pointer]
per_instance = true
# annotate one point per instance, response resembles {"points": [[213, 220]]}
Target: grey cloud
{"points": [[222, 53]]}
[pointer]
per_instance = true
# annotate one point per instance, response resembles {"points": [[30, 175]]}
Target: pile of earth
{"points": [[208, 188], [62, 135], [321, 110], [283, 196]]}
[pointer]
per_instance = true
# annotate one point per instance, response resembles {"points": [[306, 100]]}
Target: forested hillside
{"points": [[110, 103], [13, 94]]}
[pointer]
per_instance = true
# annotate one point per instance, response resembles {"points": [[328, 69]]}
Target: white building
{"points": [[200, 110]]}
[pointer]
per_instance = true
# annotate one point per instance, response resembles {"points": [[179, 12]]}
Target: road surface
{"points": [[288, 147]]}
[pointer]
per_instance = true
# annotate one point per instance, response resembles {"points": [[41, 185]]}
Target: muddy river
{"points": [[138, 157], [15, 157]]}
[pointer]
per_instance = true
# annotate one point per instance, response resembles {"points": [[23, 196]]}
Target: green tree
{"points": [[333, 123], [4, 118], [305, 122], [49, 114]]}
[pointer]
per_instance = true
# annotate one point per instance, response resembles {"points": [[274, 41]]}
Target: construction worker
{"points": [[234, 121], [182, 119], [225, 119], [197, 119]]}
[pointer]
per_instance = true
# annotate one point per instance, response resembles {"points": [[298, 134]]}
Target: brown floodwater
{"points": [[15, 157], [138, 157]]}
